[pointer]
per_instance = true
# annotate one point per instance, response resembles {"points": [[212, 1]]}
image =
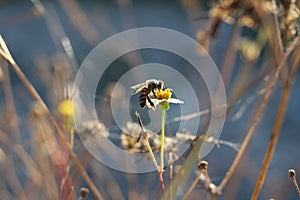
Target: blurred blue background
{"points": [[34, 37]]}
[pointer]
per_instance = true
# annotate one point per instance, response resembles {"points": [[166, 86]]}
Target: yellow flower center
{"points": [[164, 94]]}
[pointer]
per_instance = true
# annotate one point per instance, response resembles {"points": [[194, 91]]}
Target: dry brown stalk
{"points": [[6, 54], [292, 175], [285, 96], [10, 103], [257, 117]]}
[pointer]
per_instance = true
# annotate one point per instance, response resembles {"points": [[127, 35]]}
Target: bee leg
{"points": [[154, 94], [150, 102]]}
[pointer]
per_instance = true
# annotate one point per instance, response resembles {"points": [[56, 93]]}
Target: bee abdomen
{"points": [[143, 100], [143, 96]]}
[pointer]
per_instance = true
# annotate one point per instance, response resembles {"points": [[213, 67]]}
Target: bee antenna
{"points": [[160, 84]]}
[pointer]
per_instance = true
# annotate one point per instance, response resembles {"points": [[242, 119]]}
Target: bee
{"points": [[146, 90]]}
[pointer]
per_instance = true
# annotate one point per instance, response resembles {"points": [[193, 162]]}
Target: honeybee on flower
{"points": [[152, 93]]}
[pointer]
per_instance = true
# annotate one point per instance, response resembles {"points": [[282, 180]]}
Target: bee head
{"points": [[152, 85]]}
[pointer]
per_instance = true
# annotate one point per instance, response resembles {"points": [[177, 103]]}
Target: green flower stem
{"points": [[162, 147], [163, 106]]}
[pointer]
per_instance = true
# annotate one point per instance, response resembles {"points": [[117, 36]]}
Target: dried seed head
{"points": [[250, 50], [292, 173], [247, 21], [84, 192], [129, 139], [203, 165], [92, 129]]}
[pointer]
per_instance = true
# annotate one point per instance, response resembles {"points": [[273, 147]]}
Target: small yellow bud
{"points": [[66, 108]]}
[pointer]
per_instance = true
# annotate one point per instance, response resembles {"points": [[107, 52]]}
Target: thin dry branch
{"points": [[257, 117], [6, 54], [145, 136], [192, 158], [10, 103], [278, 32], [285, 96], [275, 41], [10, 175], [14, 182], [292, 175], [191, 188]]}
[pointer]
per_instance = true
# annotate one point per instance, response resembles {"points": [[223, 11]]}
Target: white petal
{"points": [[177, 101], [156, 101]]}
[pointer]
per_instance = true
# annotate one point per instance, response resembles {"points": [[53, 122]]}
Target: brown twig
{"points": [[71, 193], [6, 54], [81, 23], [41, 132], [285, 96], [19, 18], [257, 117], [171, 180], [230, 55], [292, 175], [187, 167], [14, 182], [203, 166], [274, 41], [144, 135], [278, 32], [12, 179], [191, 188], [10, 103]]}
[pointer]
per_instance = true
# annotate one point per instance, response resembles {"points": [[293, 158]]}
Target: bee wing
{"points": [[137, 88]]}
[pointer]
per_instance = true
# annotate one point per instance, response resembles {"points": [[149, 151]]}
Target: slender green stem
{"points": [[162, 152], [162, 147]]}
